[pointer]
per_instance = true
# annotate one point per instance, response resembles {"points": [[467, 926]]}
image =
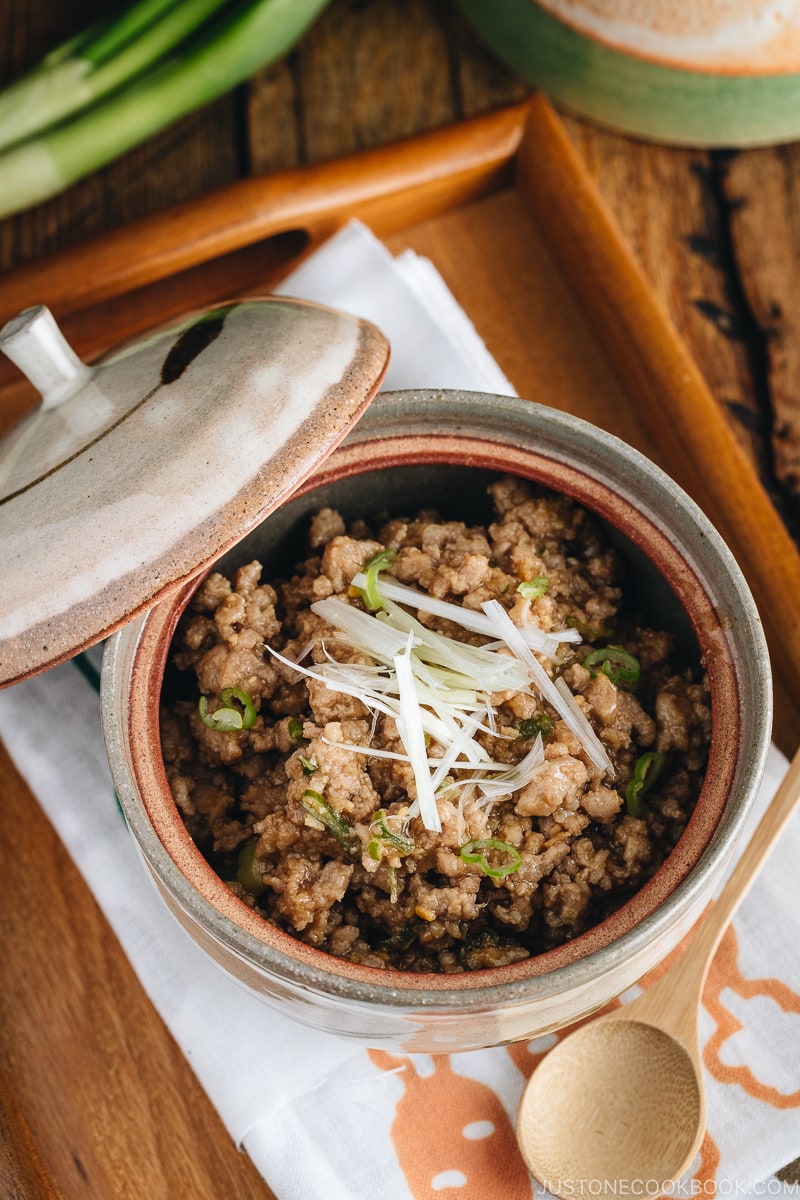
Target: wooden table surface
{"points": [[718, 236]]}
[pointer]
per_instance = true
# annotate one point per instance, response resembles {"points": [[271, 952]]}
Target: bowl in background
{"points": [[438, 448], [721, 73]]}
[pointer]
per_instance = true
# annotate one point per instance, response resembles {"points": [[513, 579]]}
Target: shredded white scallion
{"points": [[443, 765], [560, 697], [368, 751], [443, 691], [366, 694], [495, 672], [537, 639], [507, 780], [412, 734], [383, 640]]}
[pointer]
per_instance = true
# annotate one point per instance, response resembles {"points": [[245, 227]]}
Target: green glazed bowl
{"points": [[717, 73]]}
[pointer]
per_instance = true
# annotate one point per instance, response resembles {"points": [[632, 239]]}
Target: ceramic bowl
{"points": [[722, 73], [414, 449]]}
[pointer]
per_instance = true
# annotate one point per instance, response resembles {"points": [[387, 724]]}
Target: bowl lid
{"points": [[135, 473]]}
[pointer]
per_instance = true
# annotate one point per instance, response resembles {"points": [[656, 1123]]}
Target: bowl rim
{"points": [[598, 466]]}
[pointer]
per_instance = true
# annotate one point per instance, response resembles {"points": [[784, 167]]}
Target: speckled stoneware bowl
{"points": [[716, 73], [439, 448]]}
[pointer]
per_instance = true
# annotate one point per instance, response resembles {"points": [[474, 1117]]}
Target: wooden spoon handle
{"points": [[673, 1002], [385, 187], [774, 821]]}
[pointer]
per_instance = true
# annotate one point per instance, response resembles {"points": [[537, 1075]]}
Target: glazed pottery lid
{"points": [[135, 473]]}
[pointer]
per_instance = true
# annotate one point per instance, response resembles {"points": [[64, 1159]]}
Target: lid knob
{"points": [[34, 343]]}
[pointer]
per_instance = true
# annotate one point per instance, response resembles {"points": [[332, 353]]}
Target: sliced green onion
{"points": [[227, 717], [475, 852], [294, 728], [249, 714], [645, 773], [308, 766], [400, 842], [193, 52], [532, 589], [398, 942], [372, 569], [541, 723], [589, 632], [112, 54], [246, 872], [318, 807], [616, 663]]}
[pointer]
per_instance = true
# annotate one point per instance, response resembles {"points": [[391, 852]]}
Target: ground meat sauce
{"points": [[317, 837]]}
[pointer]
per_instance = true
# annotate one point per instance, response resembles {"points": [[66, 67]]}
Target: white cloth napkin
{"points": [[319, 1116]]}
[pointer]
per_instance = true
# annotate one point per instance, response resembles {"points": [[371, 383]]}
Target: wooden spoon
{"points": [[620, 1102]]}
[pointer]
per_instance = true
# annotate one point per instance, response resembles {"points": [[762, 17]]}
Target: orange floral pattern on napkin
{"points": [[726, 973]]}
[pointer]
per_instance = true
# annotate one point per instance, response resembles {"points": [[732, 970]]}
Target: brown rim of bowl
{"points": [[642, 532]]}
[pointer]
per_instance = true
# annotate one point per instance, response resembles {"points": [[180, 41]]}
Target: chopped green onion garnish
{"points": [[645, 773], [396, 943], [247, 874], [222, 718], [295, 729], [227, 717], [616, 663], [308, 766], [372, 569], [249, 709], [532, 589], [588, 631], [318, 807], [475, 852], [400, 842], [541, 723], [476, 950]]}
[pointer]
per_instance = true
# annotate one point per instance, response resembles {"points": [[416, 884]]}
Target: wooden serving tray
{"points": [[504, 208]]}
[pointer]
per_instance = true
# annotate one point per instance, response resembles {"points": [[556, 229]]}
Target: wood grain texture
{"points": [[666, 203], [113, 1110], [713, 233], [387, 187], [22, 1173], [761, 190], [111, 1103]]}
